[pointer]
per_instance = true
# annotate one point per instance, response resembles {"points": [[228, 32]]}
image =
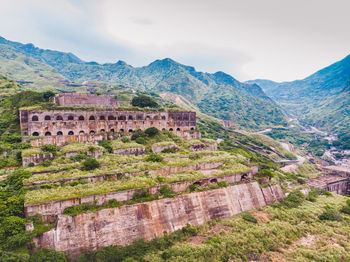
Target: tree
{"points": [[144, 101], [91, 163], [152, 131], [48, 255]]}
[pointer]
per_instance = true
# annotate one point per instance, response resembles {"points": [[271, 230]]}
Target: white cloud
{"points": [[274, 39]]}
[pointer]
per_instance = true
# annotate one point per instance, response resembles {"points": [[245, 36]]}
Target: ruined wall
{"points": [[130, 151], [35, 159], [72, 99], [159, 149], [123, 225], [204, 146], [62, 123]]}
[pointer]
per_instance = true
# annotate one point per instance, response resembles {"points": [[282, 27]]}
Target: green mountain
{"points": [[321, 100], [218, 95]]}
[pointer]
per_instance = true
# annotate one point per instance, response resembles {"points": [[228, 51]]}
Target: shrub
{"points": [[138, 133], [125, 139], [193, 187], [47, 162], [48, 255], [144, 101], [249, 217], [31, 164], [154, 157], [348, 202], [222, 184], [107, 145], [152, 131], [166, 191], [49, 148], [78, 157], [330, 214], [294, 199], [169, 150], [346, 210], [91, 163], [140, 140]]}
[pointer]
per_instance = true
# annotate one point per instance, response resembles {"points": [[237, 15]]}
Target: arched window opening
{"points": [[92, 132], [111, 118], [121, 130], [102, 131], [35, 118], [70, 117], [178, 129], [35, 134], [148, 118], [59, 118], [81, 118], [214, 180], [102, 117], [130, 130], [70, 133], [155, 118], [81, 132], [163, 129], [130, 118], [91, 118], [163, 118], [112, 130], [48, 134], [171, 129], [59, 133], [244, 177], [178, 118], [121, 117], [192, 128], [47, 118]]}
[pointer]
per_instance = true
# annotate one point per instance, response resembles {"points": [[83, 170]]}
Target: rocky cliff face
{"points": [[123, 225]]}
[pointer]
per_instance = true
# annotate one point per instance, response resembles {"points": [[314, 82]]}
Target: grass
{"points": [[32, 151], [80, 148], [164, 143], [117, 144]]}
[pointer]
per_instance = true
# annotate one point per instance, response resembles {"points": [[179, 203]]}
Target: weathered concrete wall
{"points": [[73, 99], [50, 210], [204, 146], [130, 151], [165, 171], [95, 154], [36, 159], [123, 225], [336, 171], [331, 183], [159, 149]]}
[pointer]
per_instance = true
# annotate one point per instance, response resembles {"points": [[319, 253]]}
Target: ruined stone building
{"points": [[68, 121]]}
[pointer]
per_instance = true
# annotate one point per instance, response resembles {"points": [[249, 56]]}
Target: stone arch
{"points": [[130, 130], [102, 131], [70, 133], [102, 118], [70, 117], [170, 129], [92, 118], [155, 118], [35, 134], [178, 129], [60, 133], [214, 180], [178, 118], [163, 129], [111, 118], [47, 118], [244, 176], [121, 117], [59, 118], [92, 132], [112, 130], [130, 117], [163, 117], [148, 118], [35, 118], [81, 132], [81, 118], [48, 133], [192, 128], [197, 183]]}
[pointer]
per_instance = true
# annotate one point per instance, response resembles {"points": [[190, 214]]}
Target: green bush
{"points": [[48, 255], [294, 199], [346, 210], [31, 164], [152, 131], [47, 162], [166, 191], [49, 148], [330, 214], [125, 139], [154, 157], [249, 217], [78, 158], [169, 150], [140, 140], [223, 184], [138, 133], [90, 163], [107, 145], [144, 101]]}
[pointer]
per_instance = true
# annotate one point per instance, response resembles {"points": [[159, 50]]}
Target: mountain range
{"points": [[321, 99], [219, 94]]}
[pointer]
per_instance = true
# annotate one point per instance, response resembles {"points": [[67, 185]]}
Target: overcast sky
{"points": [[273, 39]]}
